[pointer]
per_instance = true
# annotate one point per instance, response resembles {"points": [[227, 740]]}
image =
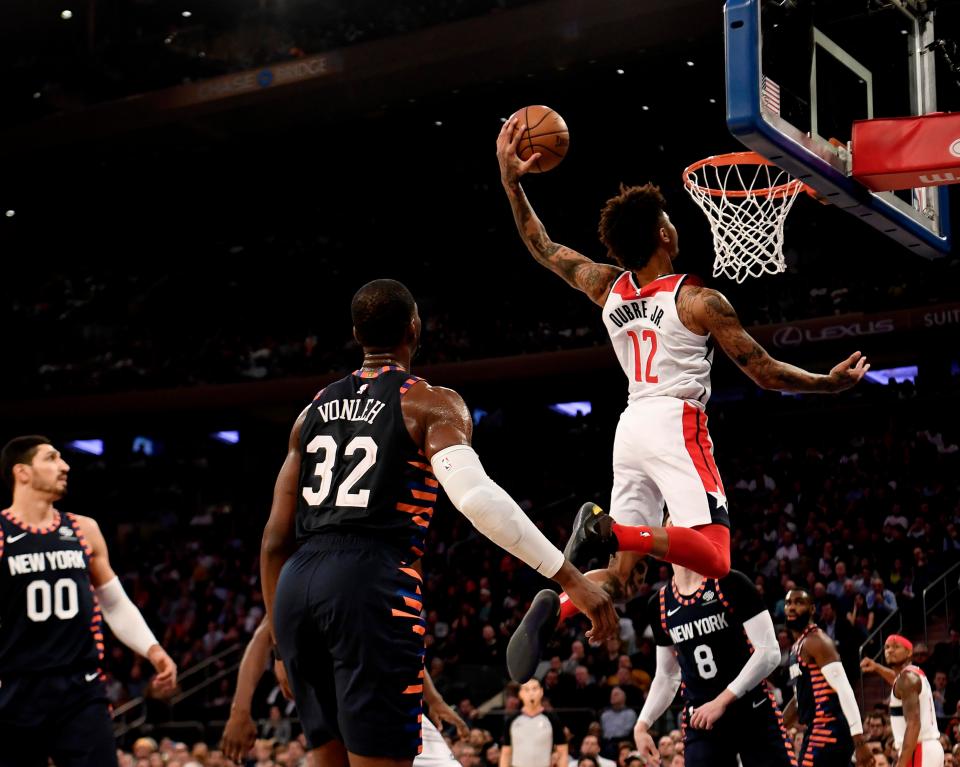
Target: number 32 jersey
{"points": [[706, 628], [360, 471], [659, 354]]}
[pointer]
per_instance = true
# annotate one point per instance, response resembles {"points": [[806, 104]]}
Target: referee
{"points": [[533, 734]]}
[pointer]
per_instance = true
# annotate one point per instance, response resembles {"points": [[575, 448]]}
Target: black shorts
{"points": [[348, 625], [63, 716], [827, 744], [751, 728]]}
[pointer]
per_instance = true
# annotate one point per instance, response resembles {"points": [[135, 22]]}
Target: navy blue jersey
{"points": [[49, 616], [817, 702], [706, 628], [360, 471]]}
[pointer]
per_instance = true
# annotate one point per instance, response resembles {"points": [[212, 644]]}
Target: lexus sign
{"points": [[794, 335]]}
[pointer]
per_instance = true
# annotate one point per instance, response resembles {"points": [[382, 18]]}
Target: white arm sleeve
{"points": [[663, 688], [837, 678], [765, 657], [124, 619], [491, 510]]}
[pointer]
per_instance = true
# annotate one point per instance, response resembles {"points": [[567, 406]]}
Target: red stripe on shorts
{"points": [[692, 430]]}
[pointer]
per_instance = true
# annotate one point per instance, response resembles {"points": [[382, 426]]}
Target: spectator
{"points": [[940, 694], [788, 548], [667, 747], [590, 747], [618, 720], [277, 727], [881, 600], [835, 587], [577, 657]]}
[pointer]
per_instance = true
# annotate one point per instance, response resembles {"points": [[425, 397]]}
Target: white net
{"points": [[746, 201]]}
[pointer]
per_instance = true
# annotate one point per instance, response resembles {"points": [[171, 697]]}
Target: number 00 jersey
{"points": [[659, 354], [49, 616], [706, 628], [360, 472]]}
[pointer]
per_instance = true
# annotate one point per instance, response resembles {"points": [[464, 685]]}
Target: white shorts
{"points": [[928, 753], [436, 752], [663, 453]]}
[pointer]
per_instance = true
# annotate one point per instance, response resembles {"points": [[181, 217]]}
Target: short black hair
{"points": [[381, 311], [19, 450], [630, 224]]}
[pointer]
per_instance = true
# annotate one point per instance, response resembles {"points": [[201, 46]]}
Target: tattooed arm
{"points": [[704, 310], [579, 271]]}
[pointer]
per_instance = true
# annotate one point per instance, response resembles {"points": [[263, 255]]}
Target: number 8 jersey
{"points": [[49, 616], [659, 354], [706, 628], [360, 471]]}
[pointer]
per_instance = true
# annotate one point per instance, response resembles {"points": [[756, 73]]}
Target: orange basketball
{"points": [[546, 133]]}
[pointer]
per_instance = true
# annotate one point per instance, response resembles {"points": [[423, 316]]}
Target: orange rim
{"points": [[741, 158]]}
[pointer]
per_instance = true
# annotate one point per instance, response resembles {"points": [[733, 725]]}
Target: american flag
{"points": [[770, 94]]}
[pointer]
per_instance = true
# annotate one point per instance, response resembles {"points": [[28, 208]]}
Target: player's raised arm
{"points": [[579, 271], [439, 420], [870, 666], [709, 311]]}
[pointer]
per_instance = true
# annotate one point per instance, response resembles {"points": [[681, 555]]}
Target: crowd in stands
{"points": [[127, 53], [243, 329]]}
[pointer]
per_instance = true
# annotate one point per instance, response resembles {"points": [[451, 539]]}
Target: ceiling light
{"points": [[11, 213], [619, 71], [186, 14], [66, 15]]}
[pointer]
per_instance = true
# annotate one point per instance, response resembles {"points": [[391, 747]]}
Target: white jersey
{"points": [[928, 715], [436, 752], [659, 354]]}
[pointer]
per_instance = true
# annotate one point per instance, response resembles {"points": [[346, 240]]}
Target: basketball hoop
{"points": [[746, 199]]}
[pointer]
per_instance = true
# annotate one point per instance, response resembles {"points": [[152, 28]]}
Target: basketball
{"points": [[546, 133]]}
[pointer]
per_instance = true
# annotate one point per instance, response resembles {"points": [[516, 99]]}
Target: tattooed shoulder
{"points": [[717, 306], [686, 302]]}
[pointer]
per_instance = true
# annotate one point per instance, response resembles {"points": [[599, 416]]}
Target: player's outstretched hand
{"points": [[280, 672], [849, 372], [593, 602], [239, 735], [165, 681], [645, 745], [441, 712], [511, 166]]}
